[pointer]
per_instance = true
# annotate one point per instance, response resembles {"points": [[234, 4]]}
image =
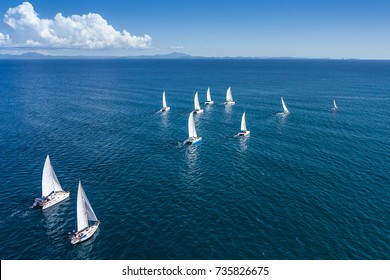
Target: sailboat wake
{"points": [[181, 144]]}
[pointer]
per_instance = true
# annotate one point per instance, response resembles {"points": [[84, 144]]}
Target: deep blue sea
{"points": [[312, 185]]}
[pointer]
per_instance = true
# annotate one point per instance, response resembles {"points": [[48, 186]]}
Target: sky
{"points": [[249, 28]]}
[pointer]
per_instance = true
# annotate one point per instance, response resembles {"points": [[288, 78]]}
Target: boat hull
{"points": [[165, 109], [230, 103], [244, 133], [84, 234], [51, 200], [198, 111], [193, 140], [209, 103]]}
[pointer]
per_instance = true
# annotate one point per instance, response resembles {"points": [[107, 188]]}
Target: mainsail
{"points": [[163, 100], [243, 122], [284, 106], [191, 126], [85, 212], [50, 181], [229, 94], [208, 95], [196, 101]]}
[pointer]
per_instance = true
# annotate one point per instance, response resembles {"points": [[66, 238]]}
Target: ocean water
{"points": [[312, 185]]}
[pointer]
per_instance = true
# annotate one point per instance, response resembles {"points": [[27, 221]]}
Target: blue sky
{"points": [[301, 28]]}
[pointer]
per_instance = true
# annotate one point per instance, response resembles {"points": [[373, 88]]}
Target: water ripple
{"points": [[311, 185]]}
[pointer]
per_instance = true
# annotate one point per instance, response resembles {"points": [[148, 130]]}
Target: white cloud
{"points": [[4, 39], [89, 31]]}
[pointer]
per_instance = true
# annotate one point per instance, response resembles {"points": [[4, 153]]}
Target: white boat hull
{"points": [[244, 133], [53, 199], [230, 103], [209, 102], [165, 109], [198, 111], [193, 140], [84, 234]]}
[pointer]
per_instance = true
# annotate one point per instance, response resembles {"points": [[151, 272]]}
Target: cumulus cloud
{"points": [[4, 39], [90, 31]]}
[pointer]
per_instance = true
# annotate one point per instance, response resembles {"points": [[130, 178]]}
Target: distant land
{"points": [[173, 55], [35, 55]]}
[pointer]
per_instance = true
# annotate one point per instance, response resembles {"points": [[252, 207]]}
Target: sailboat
{"points": [[244, 131], [87, 222], [285, 110], [193, 137], [208, 96], [164, 107], [229, 98], [334, 105], [197, 108], [52, 192]]}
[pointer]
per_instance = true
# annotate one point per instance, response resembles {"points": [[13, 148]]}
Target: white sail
{"points": [[229, 95], [284, 106], [334, 104], [243, 122], [82, 218], [191, 126], [50, 181], [208, 95], [85, 212], [163, 100], [196, 102]]}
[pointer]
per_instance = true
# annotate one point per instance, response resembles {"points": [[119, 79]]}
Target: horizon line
{"points": [[171, 55]]}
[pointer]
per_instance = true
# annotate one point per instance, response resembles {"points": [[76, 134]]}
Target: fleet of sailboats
{"points": [[52, 192], [87, 222]]}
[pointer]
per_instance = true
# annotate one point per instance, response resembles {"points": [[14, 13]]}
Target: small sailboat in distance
{"points": [[334, 105], [164, 107], [229, 97], [52, 192], [87, 222], [193, 137], [208, 97], [244, 131], [197, 108], [285, 110]]}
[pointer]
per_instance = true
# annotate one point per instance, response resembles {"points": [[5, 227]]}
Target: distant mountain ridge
{"points": [[27, 55], [35, 55], [173, 55]]}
